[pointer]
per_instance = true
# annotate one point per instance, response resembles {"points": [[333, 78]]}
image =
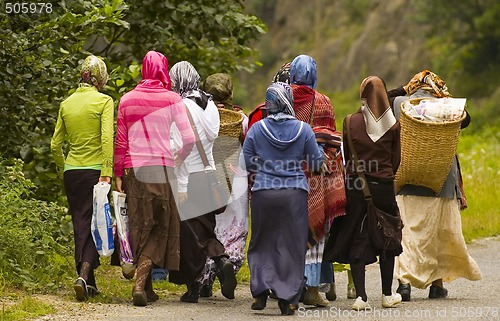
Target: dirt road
{"points": [[467, 301]]}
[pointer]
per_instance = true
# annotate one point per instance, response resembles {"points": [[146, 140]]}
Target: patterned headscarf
{"points": [[279, 101], [428, 81], [184, 78], [220, 87], [376, 108], [283, 75], [303, 71], [154, 68], [94, 72]]}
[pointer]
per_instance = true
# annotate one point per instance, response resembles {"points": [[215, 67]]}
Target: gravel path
{"points": [[467, 301]]}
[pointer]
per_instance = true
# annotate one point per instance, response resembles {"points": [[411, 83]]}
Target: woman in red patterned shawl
{"points": [[327, 194]]}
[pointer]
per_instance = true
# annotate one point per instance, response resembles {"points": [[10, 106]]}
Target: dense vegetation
{"points": [[35, 236]]}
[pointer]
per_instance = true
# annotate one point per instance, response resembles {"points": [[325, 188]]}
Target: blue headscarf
{"points": [[303, 71], [279, 101]]}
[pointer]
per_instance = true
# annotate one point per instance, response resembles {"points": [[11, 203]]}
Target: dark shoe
{"points": [[436, 292], [260, 301], [80, 288], [139, 297], [331, 295], [192, 294], [405, 291], [151, 296], [206, 291], [92, 291], [226, 276], [285, 307], [273, 295]]}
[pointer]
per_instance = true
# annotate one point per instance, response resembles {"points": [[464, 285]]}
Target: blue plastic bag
{"points": [[102, 224]]}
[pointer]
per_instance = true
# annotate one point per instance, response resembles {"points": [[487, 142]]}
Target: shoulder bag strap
{"points": [[201, 150], [359, 171]]}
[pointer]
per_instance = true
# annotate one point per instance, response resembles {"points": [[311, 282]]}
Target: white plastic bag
{"points": [[121, 217], [102, 225]]}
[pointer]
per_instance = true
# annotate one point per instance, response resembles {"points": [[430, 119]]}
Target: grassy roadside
{"points": [[481, 172]]}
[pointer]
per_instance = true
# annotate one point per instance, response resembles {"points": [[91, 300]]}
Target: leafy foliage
{"points": [[212, 36], [41, 54], [36, 243]]}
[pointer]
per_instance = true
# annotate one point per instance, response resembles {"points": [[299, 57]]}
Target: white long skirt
{"points": [[433, 244]]}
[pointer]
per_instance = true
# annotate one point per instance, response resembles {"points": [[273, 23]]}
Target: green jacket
{"points": [[85, 121]]}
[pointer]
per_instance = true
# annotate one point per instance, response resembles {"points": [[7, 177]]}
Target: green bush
{"points": [[477, 153], [36, 236]]}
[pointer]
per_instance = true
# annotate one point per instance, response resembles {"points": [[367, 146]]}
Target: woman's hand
{"points": [[106, 179], [182, 198], [177, 160], [118, 184]]}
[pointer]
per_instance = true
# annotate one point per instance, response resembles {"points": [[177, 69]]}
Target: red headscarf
{"points": [[154, 69]]}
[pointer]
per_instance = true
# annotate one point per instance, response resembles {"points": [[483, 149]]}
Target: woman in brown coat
{"points": [[375, 136]]}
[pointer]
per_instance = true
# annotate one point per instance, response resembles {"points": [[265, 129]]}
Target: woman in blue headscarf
{"points": [[274, 150], [327, 194]]}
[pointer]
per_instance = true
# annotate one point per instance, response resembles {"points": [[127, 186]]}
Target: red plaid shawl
{"points": [[326, 191]]}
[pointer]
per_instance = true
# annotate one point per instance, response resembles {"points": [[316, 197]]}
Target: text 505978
{"points": [[27, 7]]}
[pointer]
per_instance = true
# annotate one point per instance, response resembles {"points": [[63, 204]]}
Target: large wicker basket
{"points": [[427, 150], [228, 144], [230, 123]]}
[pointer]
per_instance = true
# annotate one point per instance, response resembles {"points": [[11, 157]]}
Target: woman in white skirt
{"points": [[434, 249]]}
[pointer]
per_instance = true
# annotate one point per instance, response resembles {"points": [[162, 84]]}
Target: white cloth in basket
{"points": [[436, 109]]}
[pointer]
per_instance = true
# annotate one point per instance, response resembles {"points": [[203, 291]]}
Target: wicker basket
{"points": [[230, 123], [230, 133], [427, 150], [228, 144]]}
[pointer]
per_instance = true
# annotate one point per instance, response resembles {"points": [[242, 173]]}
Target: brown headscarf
{"points": [[220, 87], [376, 108]]}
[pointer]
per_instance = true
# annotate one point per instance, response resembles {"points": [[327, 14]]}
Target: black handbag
{"points": [[385, 230], [218, 192]]}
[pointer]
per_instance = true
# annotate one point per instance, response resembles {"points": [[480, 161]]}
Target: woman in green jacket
{"points": [[85, 121]]}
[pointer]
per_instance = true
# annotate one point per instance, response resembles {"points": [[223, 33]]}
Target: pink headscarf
{"points": [[155, 68]]}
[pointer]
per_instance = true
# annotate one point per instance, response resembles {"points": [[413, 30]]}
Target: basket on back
{"points": [[427, 150], [228, 144]]}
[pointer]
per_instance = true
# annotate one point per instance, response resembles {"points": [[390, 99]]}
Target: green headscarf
{"points": [[94, 72], [220, 87]]}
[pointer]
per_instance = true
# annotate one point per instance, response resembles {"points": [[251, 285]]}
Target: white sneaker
{"points": [[388, 301], [361, 305]]}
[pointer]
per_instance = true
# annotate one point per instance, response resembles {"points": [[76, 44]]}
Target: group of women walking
{"points": [[306, 209]]}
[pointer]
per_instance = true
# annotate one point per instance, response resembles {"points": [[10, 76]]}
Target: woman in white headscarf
{"points": [[198, 238]]}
